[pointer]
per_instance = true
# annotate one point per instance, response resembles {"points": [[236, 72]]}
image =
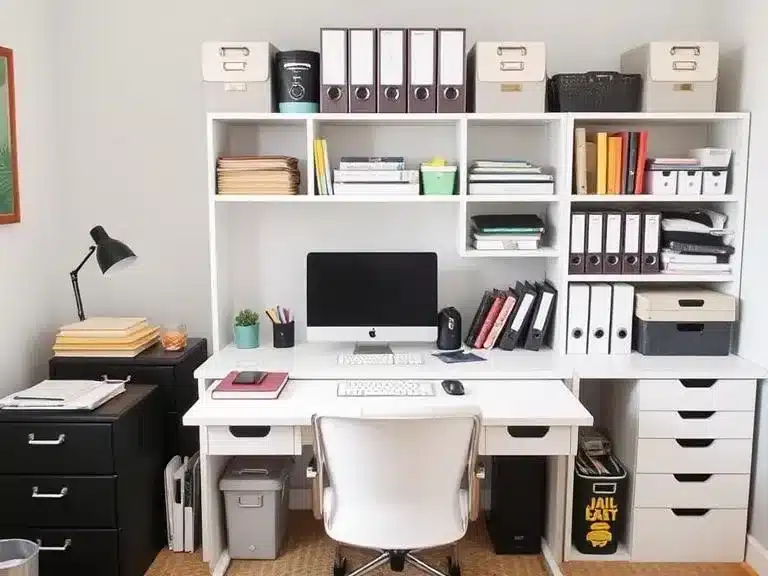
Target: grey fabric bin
{"points": [[255, 493], [19, 558], [683, 338]]}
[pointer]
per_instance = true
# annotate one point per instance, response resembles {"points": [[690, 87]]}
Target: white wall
{"points": [[32, 281]]}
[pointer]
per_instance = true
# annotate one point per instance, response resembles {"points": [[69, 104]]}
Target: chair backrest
{"points": [[414, 462]]}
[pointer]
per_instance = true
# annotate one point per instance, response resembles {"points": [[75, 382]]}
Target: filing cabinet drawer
{"points": [[51, 448], [58, 501], [526, 440], [696, 424], [692, 491], [688, 535], [693, 456], [737, 395], [244, 440]]}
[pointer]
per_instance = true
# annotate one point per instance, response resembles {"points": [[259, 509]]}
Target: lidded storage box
{"points": [[684, 322], [677, 76], [507, 77], [238, 76], [256, 502]]}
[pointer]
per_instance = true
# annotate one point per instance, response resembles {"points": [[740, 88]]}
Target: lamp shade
{"points": [[112, 255]]}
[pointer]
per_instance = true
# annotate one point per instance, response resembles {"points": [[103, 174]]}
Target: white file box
{"points": [[714, 182], [689, 182], [662, 182], [507, 77], [677, 76], [237, 76]]}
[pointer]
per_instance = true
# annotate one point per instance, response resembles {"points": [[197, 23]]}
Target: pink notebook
{"points": [[268, 389]]}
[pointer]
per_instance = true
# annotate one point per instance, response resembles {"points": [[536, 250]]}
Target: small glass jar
{"points": [[174, 337]]}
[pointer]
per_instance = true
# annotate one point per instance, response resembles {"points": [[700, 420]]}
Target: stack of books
{"points": [[509, 177], [695, 242], [606, 163], [506, 232], [258, 175], [371, 176], [253, 386], [104, 337]]}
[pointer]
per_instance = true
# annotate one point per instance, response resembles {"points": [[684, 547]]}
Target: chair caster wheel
{"points": [[340, 567], [453, 569]]}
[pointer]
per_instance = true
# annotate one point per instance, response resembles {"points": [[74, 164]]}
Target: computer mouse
{"points": [[453, 387]]}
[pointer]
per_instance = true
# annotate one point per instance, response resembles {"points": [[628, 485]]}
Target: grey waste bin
{"points": [[18, 558]]}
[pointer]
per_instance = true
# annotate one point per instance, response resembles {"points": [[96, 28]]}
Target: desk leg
{"points": [[557, 468], [215, 551]]}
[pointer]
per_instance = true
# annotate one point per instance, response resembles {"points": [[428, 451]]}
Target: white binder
{"points": [[170, 493], [599, 319], [621, 318], [578, 318]]}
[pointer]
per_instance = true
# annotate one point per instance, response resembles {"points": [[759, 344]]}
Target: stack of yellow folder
{"points": [[106, 337], [258, 175]]}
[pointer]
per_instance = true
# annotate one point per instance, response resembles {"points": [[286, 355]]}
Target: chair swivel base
{"points": [[397, 560]]}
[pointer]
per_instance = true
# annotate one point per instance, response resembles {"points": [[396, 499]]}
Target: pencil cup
{"points": [[283, 335]]}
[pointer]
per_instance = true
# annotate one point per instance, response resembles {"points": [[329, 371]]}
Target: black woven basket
{"points": [[595, 92]]}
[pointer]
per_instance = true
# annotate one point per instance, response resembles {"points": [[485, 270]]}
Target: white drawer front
{"points": [[256, 440], [738, 395], [527, 440], [692, 456], [693, 424], [661, 535], [691, 491]]}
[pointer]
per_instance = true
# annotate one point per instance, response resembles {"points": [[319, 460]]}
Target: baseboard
{"points": [[757, 556], [300, 499], [549, 559]]}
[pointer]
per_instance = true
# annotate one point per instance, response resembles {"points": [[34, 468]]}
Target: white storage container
{"points": [[714, 182], [237, 76], [662, 182], [689, 182], [507, 77], [677, 76]]}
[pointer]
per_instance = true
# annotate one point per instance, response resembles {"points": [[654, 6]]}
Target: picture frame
{"points": [[10, 209]]}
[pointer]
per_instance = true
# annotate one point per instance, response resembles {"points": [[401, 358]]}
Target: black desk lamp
{"points": [[112, 256]]}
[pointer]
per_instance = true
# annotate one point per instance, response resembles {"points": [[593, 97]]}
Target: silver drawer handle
{"points": [[259, 502], [507, 65], [695, 49], [522, 49], [32, 442], [36, 493], [67, 544]]}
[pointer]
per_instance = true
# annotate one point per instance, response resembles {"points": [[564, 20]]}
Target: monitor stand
{"points": [[372, 349]]}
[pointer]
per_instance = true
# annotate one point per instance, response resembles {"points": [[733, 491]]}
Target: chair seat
{"points": [[394, 527]]}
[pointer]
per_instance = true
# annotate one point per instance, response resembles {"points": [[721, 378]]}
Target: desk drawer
{"points": [[693, 424], [692, 491], [256, 440], [527, 441], [737, 395], [693, 456], [58, 501], [51, 448], [688, 535]]}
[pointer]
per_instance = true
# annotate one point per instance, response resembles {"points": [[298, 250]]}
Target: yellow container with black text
{"points": [[438, 178]]}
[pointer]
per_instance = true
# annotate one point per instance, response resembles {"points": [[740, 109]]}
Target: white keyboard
{"points": [[398, 359], [385, 388]]}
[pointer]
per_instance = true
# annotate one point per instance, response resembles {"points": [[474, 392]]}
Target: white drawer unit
{"points": [[693, 456], [684, 394], [688, 535], [527, 440], [254, 440], [692, 491], [695, 424]]}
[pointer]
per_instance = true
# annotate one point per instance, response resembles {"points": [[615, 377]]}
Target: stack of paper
{"points": [[694, 242], [64, 395], [507, 232], [258, 175], [509, 177], [182, 503], [106, 337]]}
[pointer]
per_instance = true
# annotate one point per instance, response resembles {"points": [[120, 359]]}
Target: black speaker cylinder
{"points": [[298, 81]]}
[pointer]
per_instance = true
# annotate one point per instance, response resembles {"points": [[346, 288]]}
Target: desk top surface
{"points": [[500, 403]]}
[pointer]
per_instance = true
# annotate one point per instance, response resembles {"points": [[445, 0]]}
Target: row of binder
{"points": [[182, 503], [394, 70], [615, 243], [600, 318]]}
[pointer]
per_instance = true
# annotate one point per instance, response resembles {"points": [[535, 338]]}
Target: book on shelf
{"points": [[610, 163], [511, 188], [509, 177], [693, 242], [376, 189], [322, 168], [375, 176], [268, 388], [372, 163]]}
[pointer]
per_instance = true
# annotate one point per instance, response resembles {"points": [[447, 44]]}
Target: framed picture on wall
{"points": [[9, 171]]}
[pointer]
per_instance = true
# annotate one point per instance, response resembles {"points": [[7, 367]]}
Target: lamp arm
{"points": [[76, 284], [91, 250]]}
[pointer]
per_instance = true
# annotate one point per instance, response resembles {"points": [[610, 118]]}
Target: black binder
{"points": [[477, 321], [519, 319], [541, 317]]}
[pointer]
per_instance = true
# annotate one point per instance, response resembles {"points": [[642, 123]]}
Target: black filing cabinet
{"points": [[88, 486], [172, 372]]}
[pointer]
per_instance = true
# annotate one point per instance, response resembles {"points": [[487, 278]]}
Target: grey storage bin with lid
{"points": [[256, 502], [19, 558]]}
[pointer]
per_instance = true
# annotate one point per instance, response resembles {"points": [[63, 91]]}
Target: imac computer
{"points": [[372, 298]]}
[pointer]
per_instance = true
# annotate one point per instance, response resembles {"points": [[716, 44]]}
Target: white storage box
{"points": [[662, 182], [677, 76], [712, 157], [714, 182], [689, 182], [507, 77], [237, 76], [256, 503]]}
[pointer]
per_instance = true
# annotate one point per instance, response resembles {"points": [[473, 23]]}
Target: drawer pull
{"points": [[692, 477], [694, 442], [37, 494], [250, 431], [690, 302], [698, 383], [67, 545], [259, 502], [696, 415], [32, 442], [527, 431], [690, 327], [690, 511]]}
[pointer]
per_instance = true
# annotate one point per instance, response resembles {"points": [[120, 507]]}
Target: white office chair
{"points": [[394, 484]]}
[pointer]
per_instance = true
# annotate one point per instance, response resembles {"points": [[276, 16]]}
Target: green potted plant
{"points": [[247, 329]]}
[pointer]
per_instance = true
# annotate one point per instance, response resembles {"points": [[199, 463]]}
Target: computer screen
{"points": [[372, 296]]}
